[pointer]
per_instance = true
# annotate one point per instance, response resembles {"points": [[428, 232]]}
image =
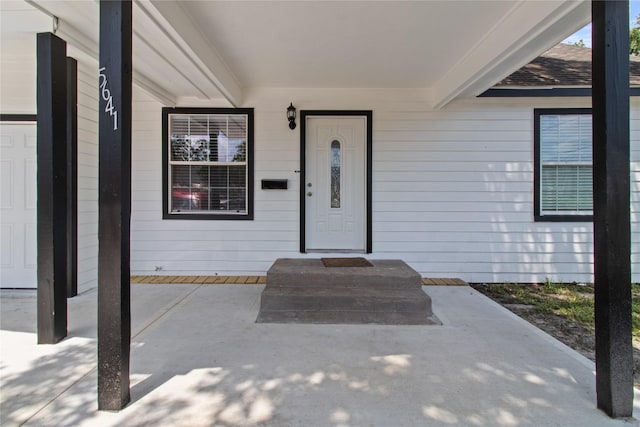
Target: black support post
{"points": [[114, 311], [611, 200], [72, 177], [52, 188]]}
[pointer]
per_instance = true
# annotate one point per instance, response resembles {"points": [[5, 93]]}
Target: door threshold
{"points": [[335, 251]]}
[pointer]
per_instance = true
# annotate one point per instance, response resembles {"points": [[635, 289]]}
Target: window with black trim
{"points": [[563, 187], [207, 163]]}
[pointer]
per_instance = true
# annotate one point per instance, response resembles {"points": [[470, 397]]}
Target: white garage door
{"points": [[18, 205]]}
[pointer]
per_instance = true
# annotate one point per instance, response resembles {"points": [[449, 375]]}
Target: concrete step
{"points": [[349, 299], [347, 317], [385, 274], [305, 291]]}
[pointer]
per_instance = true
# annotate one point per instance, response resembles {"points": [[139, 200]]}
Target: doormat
{"points": [[346, 262]]}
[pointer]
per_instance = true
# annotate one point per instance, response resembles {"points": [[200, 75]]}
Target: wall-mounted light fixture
{"points": [[291, 116]]}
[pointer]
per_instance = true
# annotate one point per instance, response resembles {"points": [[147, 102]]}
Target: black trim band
{"points": [[553, 92], [18, 117]]}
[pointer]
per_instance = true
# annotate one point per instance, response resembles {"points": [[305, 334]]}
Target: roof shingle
{"points": [[561, 66]]}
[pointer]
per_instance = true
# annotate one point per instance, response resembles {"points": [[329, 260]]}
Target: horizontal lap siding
{"points": [[209, 246], [18, 95], [87, 175], [454, 184], [18, 73], [452, 195], [635, 189], [459, 200]]}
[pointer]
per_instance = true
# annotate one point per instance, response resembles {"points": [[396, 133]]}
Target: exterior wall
{"points": [[87, 174], [452, 189], [18, 96], [18, 73], [452, 192]]}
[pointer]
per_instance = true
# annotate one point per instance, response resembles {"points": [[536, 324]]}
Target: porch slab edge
{"points": [[256, 280]]}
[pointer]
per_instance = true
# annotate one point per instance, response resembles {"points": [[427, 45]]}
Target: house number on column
{"points": [[106, 96]]}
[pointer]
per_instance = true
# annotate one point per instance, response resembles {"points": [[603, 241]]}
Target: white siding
{"points": [[210, 247], [87, 174], [18, 95], [452, 192], [17, 73]]}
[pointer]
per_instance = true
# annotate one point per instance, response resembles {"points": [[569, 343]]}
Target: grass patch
{"points": [[571, 301]]}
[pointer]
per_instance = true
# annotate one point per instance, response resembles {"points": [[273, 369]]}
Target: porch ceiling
{"points": [[202, 51]]}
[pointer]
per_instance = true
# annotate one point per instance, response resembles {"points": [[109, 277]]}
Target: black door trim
{"points": [[18, 118], [368, 114]]}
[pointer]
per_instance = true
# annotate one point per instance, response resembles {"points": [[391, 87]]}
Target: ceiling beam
{"points": [[80, 41], [507, 46], [89, 48], [25, 20], [176, 24], [159, 93]]}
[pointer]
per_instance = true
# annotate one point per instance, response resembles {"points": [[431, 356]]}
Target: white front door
{"points": [[335, 187], [18, 252]]}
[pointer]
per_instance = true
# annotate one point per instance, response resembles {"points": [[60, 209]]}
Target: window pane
{"points": [[231, 149], [208, 162], [237, 176], [181, 197], [236, 201], [217, 124], [190, 188], [566, 188], [202, 188], [189, 138], [228, 188], [178, 139], [335, 174], [565, 169], [565, 138], [237, 138]]}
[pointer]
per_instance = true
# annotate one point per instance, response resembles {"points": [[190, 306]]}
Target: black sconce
{"points": [[291, 116]]}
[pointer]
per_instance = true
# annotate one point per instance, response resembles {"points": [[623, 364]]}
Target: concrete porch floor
{"points": [[198, 359]]}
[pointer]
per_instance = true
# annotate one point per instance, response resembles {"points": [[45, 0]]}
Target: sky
{"points": [[585, 33]]}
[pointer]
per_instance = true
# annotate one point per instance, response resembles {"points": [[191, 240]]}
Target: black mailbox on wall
{"points": [[274, 184]]}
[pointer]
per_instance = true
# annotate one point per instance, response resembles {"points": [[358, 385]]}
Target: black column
{"points": [[611, 207], [52, 188], [114, 311], [72, 177]]}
